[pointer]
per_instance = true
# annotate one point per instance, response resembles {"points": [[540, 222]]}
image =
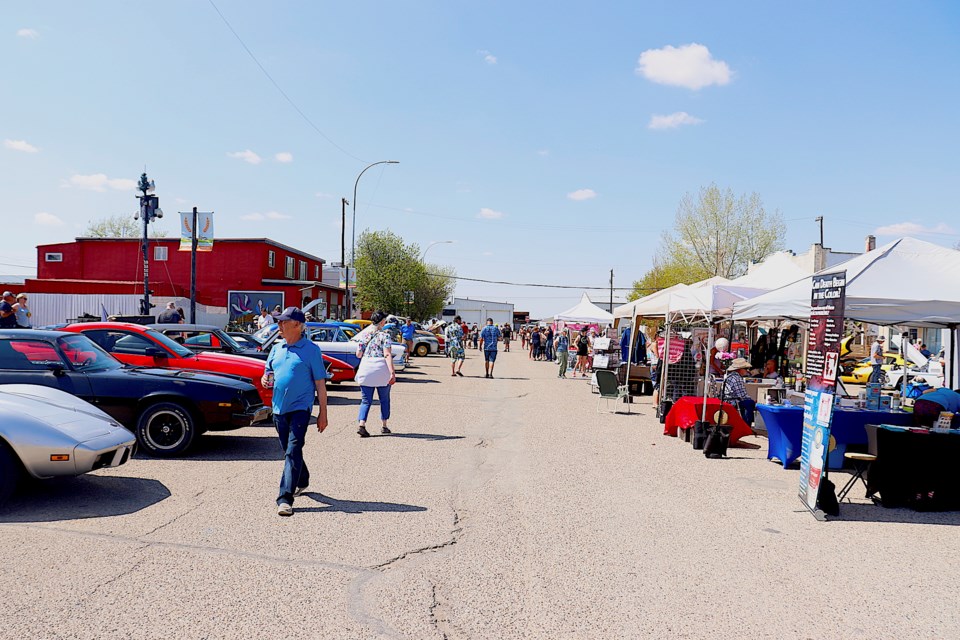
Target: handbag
{"points": [[717, 441]]}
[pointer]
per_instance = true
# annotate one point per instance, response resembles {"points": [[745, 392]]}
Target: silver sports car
{"points": [[46, 432]]}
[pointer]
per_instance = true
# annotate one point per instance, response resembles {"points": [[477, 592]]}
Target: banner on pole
{"points": [[343, 278], [827, 301], [204, 231]]}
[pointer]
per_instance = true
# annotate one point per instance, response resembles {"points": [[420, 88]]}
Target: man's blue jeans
{"points": [[877, 374], [292, 430]]}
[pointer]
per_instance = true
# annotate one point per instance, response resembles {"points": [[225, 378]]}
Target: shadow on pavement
{"points": [[219, 447], [352, 506], [416, 436], [854, 512], [76, 498], [418, 381], [337, 400]]}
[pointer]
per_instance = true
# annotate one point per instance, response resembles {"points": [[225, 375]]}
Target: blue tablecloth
{"points": [[785, 429]]}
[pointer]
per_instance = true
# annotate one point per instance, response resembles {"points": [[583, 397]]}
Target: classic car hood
{"points": [[74, 417], [232, 363], [234, 381]]}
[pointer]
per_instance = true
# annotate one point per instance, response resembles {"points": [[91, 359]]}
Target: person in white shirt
{"points": [[264, 319], [876, 359]]}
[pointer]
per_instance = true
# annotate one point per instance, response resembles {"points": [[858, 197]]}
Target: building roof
{"points": [[176, 240]]}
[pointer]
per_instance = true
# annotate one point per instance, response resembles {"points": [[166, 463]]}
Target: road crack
{"points": [[454, 538]]}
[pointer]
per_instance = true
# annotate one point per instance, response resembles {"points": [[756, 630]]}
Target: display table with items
{"points": [[641, 379], [689, 409], [784, 426], [916, 468], [606, 352]]}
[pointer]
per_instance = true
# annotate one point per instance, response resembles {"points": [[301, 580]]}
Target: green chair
{"points": [[610, 389]]}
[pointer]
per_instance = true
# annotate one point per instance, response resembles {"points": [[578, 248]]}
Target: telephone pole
{"points": [[820, 220], [611, 290], [343, 251]]}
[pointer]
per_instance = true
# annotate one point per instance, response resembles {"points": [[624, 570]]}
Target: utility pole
{"points": [[193, 269], [343, 250], [149, 211], [611, 290], [820, 220]]}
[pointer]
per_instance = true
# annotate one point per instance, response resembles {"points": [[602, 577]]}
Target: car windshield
{"points": [[170, 344], [212, 339], [265, 333], [85, 355]]}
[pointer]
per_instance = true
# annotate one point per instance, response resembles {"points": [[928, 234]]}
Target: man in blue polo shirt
{"points": [[296, 372], [488, 339]]}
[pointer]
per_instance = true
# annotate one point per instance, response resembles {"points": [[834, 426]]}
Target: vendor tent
{"points": [[585, 312], [708, 301], [776, 270], [907, 281]]}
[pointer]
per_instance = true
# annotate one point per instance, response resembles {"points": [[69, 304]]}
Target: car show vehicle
{"points": [[860, 374], [144, 347], [245, 339], [425, 343], [165, 408], [46, 432]]}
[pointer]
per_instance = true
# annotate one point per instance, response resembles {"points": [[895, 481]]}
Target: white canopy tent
{"points": [[905, 282], [709, 301], [776, 270], [646, 303], [585, 312]]}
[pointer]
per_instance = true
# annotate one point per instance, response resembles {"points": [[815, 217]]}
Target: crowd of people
{"points": [[545, 344], [14, 311]]}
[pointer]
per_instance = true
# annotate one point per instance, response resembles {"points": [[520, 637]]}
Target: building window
{"points": [[289, 267], [271, 259], [303, 269], [53, 257], [316, 272], [160, 254]]}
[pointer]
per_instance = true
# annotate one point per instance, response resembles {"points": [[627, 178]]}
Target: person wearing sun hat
{"points": [[735, 391], [876, 359]]}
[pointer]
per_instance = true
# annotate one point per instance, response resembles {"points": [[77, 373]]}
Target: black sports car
{"points": [[165, 408]]}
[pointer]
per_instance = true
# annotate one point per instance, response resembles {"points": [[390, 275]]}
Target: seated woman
{"points": [[735, 392]]}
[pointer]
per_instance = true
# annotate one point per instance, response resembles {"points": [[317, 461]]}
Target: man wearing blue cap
{"points": [[295, 371]]}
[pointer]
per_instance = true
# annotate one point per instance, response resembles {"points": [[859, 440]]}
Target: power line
{"points": [[532, 284], [278, 88]]}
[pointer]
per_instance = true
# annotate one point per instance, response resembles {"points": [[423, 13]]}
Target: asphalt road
{"points": [[503, 508]]}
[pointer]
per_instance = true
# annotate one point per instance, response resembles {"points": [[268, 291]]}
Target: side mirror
{"points": [[154, 352], [57, 368]]}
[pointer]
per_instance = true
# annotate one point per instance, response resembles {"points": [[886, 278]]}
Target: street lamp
{"points": [[422, 255], [353, 235], [149, 211]]}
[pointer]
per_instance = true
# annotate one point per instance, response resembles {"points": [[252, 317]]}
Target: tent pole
{"points": [[953, 355], [626, 381], [706, 371], [665, 361]]}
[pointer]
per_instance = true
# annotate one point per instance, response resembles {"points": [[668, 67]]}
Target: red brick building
{"points": [[238, 272]]}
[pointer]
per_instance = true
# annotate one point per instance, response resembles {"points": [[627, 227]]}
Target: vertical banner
{"points": [[827, 299], [204, 231]]}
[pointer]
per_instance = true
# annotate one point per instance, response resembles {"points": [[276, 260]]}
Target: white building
{"points": [[477, 311]]}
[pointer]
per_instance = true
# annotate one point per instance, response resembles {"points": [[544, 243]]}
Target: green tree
{"points": [[120, 227], [388, 270], [719, 233]]}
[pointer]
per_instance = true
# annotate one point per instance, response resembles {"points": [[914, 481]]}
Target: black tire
{"points": [[422, 350], [165, 430], [10, 472]]}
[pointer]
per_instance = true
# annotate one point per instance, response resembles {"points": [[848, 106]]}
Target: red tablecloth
{"points": [[689, 409]]}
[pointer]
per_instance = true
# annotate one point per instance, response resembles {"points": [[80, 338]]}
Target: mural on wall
{"points": [[244, 306]]}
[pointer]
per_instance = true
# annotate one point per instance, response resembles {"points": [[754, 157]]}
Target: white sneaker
{"points": [[299, 491], [284, 509]]}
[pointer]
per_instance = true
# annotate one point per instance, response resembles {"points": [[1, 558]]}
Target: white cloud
{"points": [[284, 156], [672, 121], [100, 182], [489, 214], [582, 194], [28, 33], [913, 229], [488, 57], [689, 65], [246, 156], [543, 153], [45, 219], [20, 145], [269, 215]]}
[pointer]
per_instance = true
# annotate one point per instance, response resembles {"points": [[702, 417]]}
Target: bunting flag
{"points": [[204, 231]]}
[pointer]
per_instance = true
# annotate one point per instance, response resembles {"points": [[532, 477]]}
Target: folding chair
{"points": [[610, 389], [861, 462]]}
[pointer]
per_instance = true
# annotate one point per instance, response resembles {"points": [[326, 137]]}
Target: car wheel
{"points": [[422, 350], [165, 430], [9, 472]]}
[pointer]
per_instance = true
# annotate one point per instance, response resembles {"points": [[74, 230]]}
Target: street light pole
{"points": [[149, 210], [353, 235], [423, 255], [343, 249]]}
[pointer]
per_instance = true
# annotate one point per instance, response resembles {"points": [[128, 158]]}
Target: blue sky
{"points": [[550, 141]]}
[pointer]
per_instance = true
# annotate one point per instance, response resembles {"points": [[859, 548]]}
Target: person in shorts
{"points": [[488, 342]]}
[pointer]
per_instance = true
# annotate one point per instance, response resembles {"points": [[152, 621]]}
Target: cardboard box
{"points": [[885, 403], [873, 396]]}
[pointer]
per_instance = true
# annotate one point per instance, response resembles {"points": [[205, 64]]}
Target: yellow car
{"points": [[357, 321], [861, 373]]}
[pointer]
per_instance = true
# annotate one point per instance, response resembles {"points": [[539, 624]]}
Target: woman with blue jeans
{"points": [[375, 373]]}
